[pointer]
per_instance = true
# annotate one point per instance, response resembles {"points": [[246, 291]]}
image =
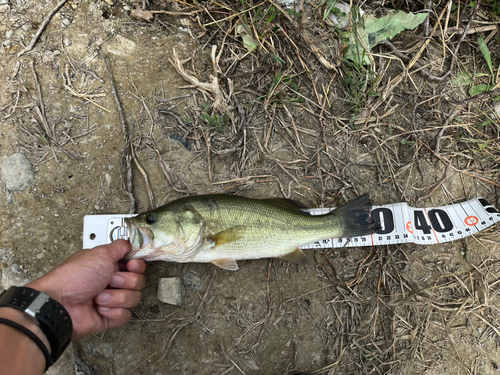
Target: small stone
{"points": [[181, 140], [56, 215], [17, 172], [13, 276], [106, 350], [154, 309], [89, 349], [171, 290], [497, 109], [67, 42], [48, 57], [192, 281], [66, 21], [57, 52], [4, 8], [96, 206], [97, 368], [4, 2]]}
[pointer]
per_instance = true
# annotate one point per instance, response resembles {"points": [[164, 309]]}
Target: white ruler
{"points": [[399, 222]]}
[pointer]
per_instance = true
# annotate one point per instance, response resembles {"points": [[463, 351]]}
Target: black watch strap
{"points": [[52, 317]]}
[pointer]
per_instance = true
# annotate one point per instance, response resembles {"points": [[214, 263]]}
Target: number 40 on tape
{"points": [[401, 223]]}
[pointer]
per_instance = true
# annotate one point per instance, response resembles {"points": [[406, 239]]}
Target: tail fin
{"points": [[355, 217]]}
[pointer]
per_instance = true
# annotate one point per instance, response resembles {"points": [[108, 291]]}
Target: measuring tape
{"points": [[399, 223]]}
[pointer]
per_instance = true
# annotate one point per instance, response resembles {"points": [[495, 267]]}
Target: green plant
{"points": [[480, 88], [213, 120], [495, 6]]}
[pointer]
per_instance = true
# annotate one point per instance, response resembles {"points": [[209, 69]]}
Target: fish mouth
{"points": [[141, 239], [132, 230]]}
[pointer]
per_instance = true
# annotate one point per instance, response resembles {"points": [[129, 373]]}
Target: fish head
{"points": [[165, 234]]}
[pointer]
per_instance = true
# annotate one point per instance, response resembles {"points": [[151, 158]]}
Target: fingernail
{"points": [[135, 266], [103, 297], [103, 309], [116, 280]]}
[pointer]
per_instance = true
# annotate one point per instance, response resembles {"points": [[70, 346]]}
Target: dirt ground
{"points": [[401, 309]]}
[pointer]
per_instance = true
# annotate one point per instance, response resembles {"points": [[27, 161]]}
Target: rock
{"points": [[67, 42], [192, 281], [171, 290], [17, 172], [13, 276], [121, 46], [4, 2], [66, 21], [4, 8], [89, 349], [48, 57], [106, 350], [181, 140]]}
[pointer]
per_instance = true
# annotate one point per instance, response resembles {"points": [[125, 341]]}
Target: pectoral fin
{"points": [[296, 256], [229, 235], [226, 263]]}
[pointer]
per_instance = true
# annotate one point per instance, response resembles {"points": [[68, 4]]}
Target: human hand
{"points": [[95, 288]]}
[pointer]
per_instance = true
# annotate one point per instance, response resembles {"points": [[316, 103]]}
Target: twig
{"points": [[79, 362], [91, 73], [212, 87], [143, 172], [42, 27], [127, 138]]}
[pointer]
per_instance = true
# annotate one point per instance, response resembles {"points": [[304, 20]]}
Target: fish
{"points": [[223, 229]]}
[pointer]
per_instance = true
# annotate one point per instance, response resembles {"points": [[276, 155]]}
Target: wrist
{"points": [[26, 321], [43, 285]]}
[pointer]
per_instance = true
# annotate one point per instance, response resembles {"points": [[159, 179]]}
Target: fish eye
{"points": [[151, 219]]}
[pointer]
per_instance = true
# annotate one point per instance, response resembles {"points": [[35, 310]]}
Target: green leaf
{"points": [[376, 30], [486, 53], [248, 40], [479, 89], [463, 79]]}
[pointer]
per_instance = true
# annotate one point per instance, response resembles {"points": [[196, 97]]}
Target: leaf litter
{"points": [[274, 108]]}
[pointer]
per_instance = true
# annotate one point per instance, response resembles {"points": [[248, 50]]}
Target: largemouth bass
{"points": [[222, 229]]}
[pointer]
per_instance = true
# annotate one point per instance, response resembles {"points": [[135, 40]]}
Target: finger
{"points": [[117, 316], [115, 250], [128, 280], [118, 298], [136, 265]]}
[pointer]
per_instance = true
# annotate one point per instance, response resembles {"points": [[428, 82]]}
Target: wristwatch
{"points": [[52, 317]]}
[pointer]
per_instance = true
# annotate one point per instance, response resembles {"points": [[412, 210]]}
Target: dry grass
{"points": [[295, 115]]}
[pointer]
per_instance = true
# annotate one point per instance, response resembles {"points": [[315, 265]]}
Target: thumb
{"points": [[116, 250]]}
